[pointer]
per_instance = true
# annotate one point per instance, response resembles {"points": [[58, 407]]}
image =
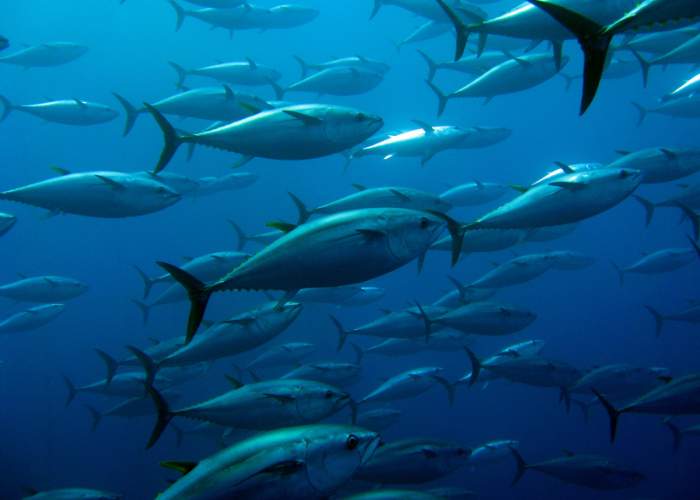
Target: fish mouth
{"points": [[370, 449]]}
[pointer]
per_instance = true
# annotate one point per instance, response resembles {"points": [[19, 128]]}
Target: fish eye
{"points": [[424, 222], [328, 394], [352, 441], [360, 117], [624, 174]]}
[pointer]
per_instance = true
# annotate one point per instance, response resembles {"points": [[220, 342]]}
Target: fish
{"points": [[381, 197], [45, 55], [235, 335], [379, 419], [679, 434], [207, 267], [257, 406], [571, 198], [409, 384], [289, 133], [492, 452], [462, 294], [591, 471], [248, 72], [335, 373], [660, 261], [682, 107], [31, 319], [680, 396], [514, 75], [141, 406], [159, 350], [367, 243], [595, 38], [660, 42], [348, 295], [621, 381], [688, 88], [43, 289], [76, 111], [413, 461], [4, 43], [426, 31], [689, 315], [549, 233], [7, 222], [443, 341], [686, 53], [213, 185], [485, 241], [358, 62], [525, 348], [567, 260], [248, 17], [122, 385], [393, 494], [431, 10], [516, 271], [218, 4], [207, 103], [474, 193], [486, 318], [292, 462], [261, 238], [336, 81], [409, 323], [96, 194], [481, 137], [660, 164], [72, 494], [289, 353], [424, 142], [472, 64]]}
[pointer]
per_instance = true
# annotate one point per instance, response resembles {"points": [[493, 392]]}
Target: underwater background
{"points": [[585, 317]]}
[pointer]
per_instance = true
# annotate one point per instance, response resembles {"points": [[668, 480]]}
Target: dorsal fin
{"points": [[80, 103], [401, 196], [566, 168], [282, 226], [622, 152], [251, 63], [359, 187], [60, 170], [228, 92], [234, 381], [424, 125], [110, 182], [181, 467]]}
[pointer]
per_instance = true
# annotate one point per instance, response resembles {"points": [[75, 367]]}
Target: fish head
{"points": [[332, 457], [518, 317], [350, 126], [411, 232], [317, 400], [444, 456], [296, 13], [154, 194], [611, 181], [77, 287]]}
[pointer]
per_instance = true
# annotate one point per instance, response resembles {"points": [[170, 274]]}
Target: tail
{"points": [[645, 65], [131, 113], [694, 219], [303, 65], [696, 247], [449, 387], [676, 432], [377, 5], [242, 237], [584, 407], [658, 319], [460, 28], [593, 40], [442, 98], [642, 112], [7, 107], [180, 13], [648, 208], [456, 231], [359, 352], [145, 309], [426, 322], [147, 282], [476, 366], [164, 415], [461, 289], [72, 391], [304, 212], [96, 417], [181, 75], [520, 464], [277, 88], [565, 395], [110, 363], [342, 332], [150, 368], [613, 413], [198, 293], [620, 273], [432, 67], [171, 139], [568, 79]]}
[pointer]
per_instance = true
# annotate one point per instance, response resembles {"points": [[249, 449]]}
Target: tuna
{"points": [[66, 111], [45, 55], [31, 319], [43, 289]]}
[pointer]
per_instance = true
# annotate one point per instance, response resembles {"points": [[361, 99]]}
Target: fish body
{"points": [[408, 384], [43, 289], [338, 81], [45, 55], [474, 193], [486, 318], [290, 353], [65, 111], [661, 164], [74, 494], [31, 319]]}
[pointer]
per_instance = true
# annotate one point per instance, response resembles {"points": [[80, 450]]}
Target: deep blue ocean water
{"points": [[585, 317]]}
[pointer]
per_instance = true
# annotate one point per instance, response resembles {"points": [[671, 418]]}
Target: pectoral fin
{"points": [[571, 186], [307, 119]]}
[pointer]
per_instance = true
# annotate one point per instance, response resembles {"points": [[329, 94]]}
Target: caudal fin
{"points": [[303, 66], [164, 415], [242, 237], [96, 417], [198, 294], [110, 363], [377, 5], [171, 139], [432, 66], [359, 352], [642, 112], [150, 368], [180, 13], [147, 282], [456, 231], [7, 107], [693, 217], [620, 273], [676, 432], [72, 391], [594, 42], [131, 113], [476, 366], [442, 98], [427, 323], [144, 308], [304, 213], [461, 29], [613, 414], [449, 387], [342, 332], [181, 75], [520, 464], [645, 65], [658, 319], [648, 208]]}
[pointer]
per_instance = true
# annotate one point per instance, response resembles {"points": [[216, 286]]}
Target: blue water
{"points": [[585, 317]]}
